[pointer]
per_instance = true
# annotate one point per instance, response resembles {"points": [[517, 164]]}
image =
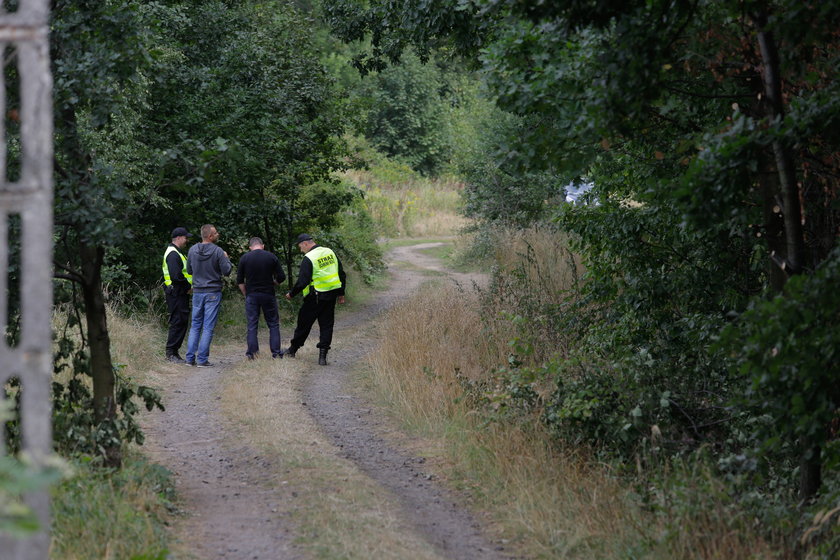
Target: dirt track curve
{"points": [[237, 505]]}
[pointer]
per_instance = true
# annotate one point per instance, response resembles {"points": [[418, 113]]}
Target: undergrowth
{"points": [[485, 391], [113, 514]]}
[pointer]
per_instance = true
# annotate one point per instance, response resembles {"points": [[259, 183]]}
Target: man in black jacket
{"points": [[322, 281], [177, 284], [257, 274]]}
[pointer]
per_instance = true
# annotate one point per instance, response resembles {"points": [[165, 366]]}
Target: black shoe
{"points": [[175, 359], [322, 356], [249, 356], [290, 351], [277, 356], [190, 363], [204, 364]]}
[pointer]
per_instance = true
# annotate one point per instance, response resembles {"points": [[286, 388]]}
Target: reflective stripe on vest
{"points": [[324, 270], [167, 281]]}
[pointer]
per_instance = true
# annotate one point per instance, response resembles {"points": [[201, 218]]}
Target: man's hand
{"points": [[289, 296], [341, 299]]}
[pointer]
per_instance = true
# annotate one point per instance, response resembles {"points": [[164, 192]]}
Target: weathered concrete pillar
{"points": [[28, 196]]}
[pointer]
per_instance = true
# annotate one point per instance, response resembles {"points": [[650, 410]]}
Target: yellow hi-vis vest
{"points": [[324, 270], [167, 280]]}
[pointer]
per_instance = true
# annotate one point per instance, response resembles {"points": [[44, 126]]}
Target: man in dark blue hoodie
{"points": [[207, 263]]}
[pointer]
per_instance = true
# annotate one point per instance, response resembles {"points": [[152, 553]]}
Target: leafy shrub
{"points": [[355, 239], [787, 351], [76, 428]]}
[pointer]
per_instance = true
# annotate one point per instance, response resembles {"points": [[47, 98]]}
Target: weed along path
{"points": [[277, 459]]}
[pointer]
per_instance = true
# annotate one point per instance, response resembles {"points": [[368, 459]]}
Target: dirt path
{"points": [[234, 490], [232, 512]]}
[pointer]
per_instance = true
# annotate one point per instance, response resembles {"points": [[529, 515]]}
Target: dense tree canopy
{"points": [[174, 114], [710, 132]]}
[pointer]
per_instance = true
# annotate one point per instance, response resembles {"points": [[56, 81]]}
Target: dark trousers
{"points": [[268, 304], [179, 319], [314, 307]]}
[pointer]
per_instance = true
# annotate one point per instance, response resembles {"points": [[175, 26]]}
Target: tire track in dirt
{"points": [[234, 510], [354, 425]]}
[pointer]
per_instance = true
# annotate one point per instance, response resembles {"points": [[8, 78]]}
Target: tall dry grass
{"points": [[436, 348], [543, 257], [434, 343], [536, 272], [422, 361], [137, 342], [406, 205]]}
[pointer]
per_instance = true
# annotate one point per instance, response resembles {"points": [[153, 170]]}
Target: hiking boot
{"points": [[322, 356]]}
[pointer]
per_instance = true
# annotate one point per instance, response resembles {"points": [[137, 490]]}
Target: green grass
{"points": [[452, 257], [119, 514], [408, 241], [442, 252]]}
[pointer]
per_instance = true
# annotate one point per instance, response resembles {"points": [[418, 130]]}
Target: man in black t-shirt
{"points": [[258, 272]]}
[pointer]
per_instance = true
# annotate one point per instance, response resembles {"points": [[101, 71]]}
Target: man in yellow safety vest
{"points": [[322, 280], [177, 283]]}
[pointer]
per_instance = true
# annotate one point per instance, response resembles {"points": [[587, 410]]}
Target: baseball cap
{"points": [[179, 231], [303, 237]]}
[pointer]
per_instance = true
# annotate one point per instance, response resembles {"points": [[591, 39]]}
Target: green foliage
{"points": [[99, 158], [407, 115], [425, 25], [175, 113], [250, 124], [503, 194], [356, 238], [76, 429], [494, 195], [384, 171], [703, 126], [18, 477], [123, 513], [787, 349]]}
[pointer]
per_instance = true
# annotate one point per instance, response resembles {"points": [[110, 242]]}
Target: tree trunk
{"points": [[99, 342], [793, 261], [791, 208], [810, 471], [774, 222]]}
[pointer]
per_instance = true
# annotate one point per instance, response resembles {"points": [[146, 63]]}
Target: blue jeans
{"points": [[205, 312], [268, 304]]}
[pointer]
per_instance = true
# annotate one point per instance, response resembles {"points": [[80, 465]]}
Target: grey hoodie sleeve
{"points": [[225, 265], [190, 257]]}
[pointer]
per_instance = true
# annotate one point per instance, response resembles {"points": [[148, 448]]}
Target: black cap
{"points": [[303, 237], [179, 231]]}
